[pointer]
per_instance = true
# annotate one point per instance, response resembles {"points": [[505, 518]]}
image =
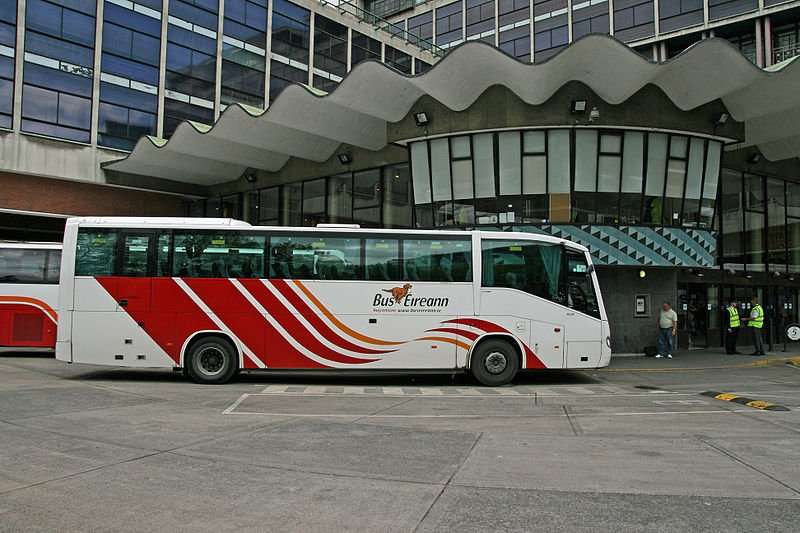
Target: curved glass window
{"points": [[566, 175]]}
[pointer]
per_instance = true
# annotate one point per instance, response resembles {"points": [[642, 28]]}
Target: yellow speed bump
{"points": [[749, 402]]}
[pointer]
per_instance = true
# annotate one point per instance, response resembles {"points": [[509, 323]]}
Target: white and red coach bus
{"points": [[215, 296], [29, 294]]}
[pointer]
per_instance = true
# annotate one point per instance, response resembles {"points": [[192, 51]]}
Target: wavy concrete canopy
{"points": [[300, 123]]}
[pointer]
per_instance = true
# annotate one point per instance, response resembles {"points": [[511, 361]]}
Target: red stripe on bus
{"points": [[172, 316], [293, 326], [314, 319], [250, 326], [462, 332], [531, 360]]}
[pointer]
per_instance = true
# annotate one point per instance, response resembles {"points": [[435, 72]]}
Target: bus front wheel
{"points": [[212, 361], [494, 362]]}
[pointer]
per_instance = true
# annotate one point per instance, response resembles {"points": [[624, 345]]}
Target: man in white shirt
{"points": [[667, 329]]}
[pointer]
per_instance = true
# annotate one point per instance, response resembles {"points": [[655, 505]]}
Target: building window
{"points": [[8, 43], [421, 27], [634, 20], [448, 25], [550, 26], [191, 63], [330, 53], [786, 42], [129, 74], [516, 42], [364, 48], [244, 50], [290, 46], [720, 9], [588, 19], [398, 60], [454, 178], [59, 68], [677, 14], [480, 20]]}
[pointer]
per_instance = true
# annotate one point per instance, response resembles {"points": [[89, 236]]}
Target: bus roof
{"points": [[226, 223], [156, 221], [30, 245]]}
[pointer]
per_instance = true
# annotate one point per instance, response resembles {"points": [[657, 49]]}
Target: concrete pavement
{"points": [[635, 447]]}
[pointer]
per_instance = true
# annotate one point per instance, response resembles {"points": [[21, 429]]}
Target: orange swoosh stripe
{"points": [[447, 340], [31, 301], [339, 324]]}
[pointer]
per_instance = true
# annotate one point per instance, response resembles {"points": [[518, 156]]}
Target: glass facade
{"points": [[191, 63], [244, 52], [8, 44], [59, 69], [200, 55], [582, 176], [377, 197], [129, 73]]}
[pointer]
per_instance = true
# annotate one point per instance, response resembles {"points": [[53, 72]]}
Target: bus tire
{"points": [[494, 362], [212, 361]]}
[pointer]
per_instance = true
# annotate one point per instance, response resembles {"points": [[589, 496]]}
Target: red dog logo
{"points": [[398, 293]]}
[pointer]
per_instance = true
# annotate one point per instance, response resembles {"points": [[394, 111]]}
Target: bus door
{"points": [[113, 287], [519, 291], [583, 323]]}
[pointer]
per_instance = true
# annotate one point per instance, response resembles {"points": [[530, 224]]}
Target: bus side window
{"points": [[535, 268], [437, 260], [382, 258], [95, 252], [580, 289]]}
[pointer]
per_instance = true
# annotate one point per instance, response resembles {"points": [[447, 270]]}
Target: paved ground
{"points": [[635, 447]]}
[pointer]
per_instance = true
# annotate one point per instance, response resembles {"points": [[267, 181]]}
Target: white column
{"points": [[463, 20], [656, 22], [162, 69], [759, 44], [19, 64], [268, 58], [767, 42], [496, 22], [218, 81], [569, 21], [349, 49], [530, 12], [311, 50], [611, 17], [98, 51]]}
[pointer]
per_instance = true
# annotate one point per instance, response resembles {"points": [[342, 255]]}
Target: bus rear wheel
{"points": [[494, 362], [212, 361]]}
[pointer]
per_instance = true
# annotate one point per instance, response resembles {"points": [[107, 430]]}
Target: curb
{"points": [[749, 402], [769, 361]]}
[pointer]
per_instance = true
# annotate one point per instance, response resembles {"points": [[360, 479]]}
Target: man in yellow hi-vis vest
{"points": [[732, 330], [756, 323]]}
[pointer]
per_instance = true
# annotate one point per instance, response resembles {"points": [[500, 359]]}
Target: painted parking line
{"points": [[521, 391], [236, 408], [744, 400]]}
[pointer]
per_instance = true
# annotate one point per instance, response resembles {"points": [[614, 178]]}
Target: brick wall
{"points": [[31, 193]]}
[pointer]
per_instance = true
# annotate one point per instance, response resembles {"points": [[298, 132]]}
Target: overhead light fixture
{"points": [[344, 158], [722, 118], [250, 177], [578, 106], [698, 272], [642, 274], [422, 118], [748, 275], [754, 159], [594, 114]]}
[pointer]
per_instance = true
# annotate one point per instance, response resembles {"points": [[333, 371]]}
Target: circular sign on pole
{"points": [[793, 332]]}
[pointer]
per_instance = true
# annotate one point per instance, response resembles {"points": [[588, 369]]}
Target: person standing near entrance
{"points": [[732, 329], [667, 329], [755, 323]]}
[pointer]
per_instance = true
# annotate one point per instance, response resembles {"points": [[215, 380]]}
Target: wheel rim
{"points": [[211, 361], [496, 362]]}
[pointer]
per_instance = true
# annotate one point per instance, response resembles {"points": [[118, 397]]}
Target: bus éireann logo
{"points": [[402, 300], [398, 293]]}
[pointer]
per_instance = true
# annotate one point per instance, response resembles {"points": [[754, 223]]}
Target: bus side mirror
{"points": [[590, 269]]}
